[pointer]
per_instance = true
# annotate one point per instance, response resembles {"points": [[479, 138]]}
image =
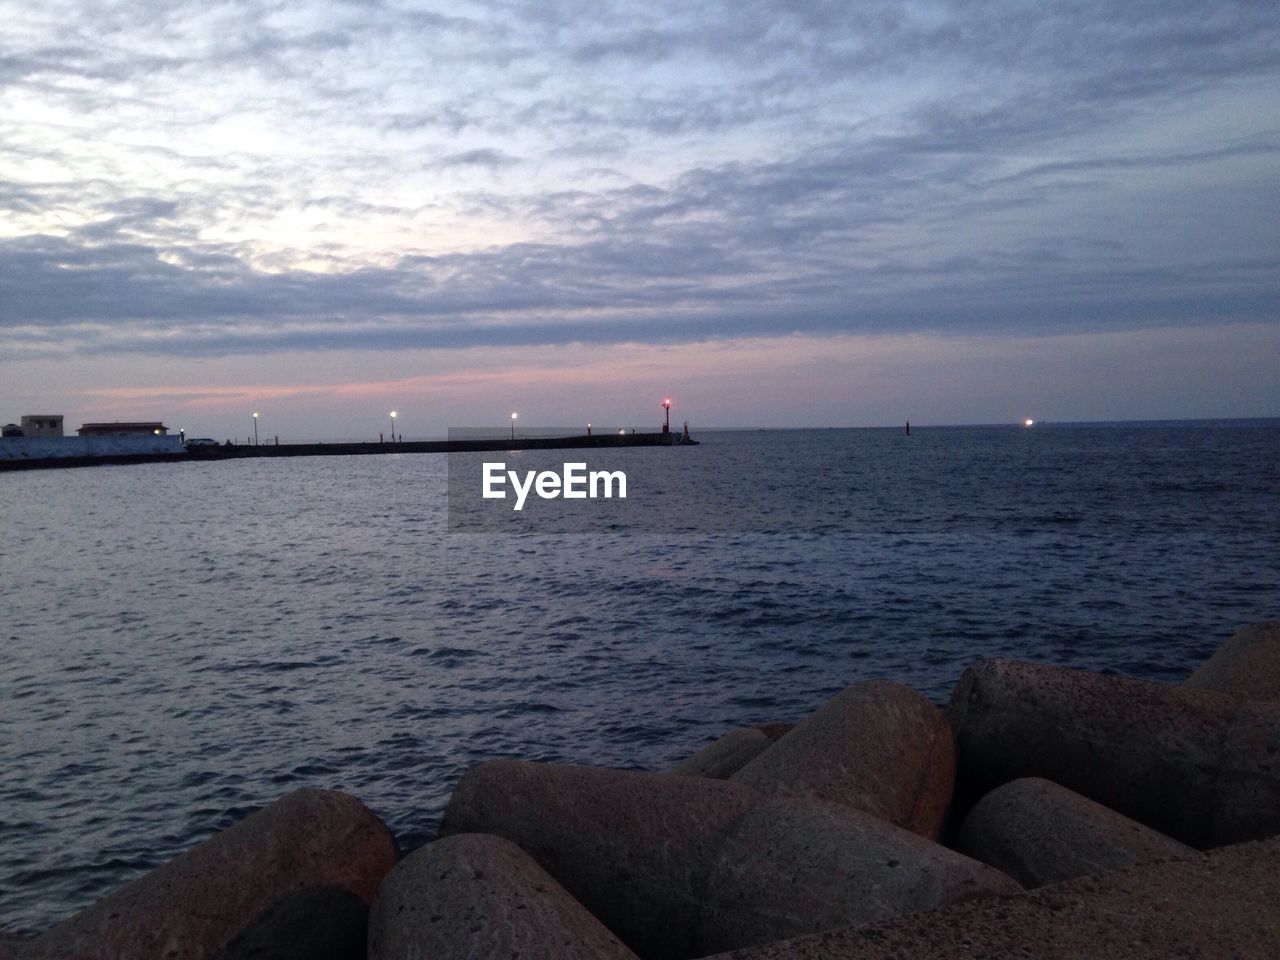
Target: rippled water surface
{"points": [[184, 642]]}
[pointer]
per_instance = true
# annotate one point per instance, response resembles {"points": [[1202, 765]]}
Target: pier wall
{"points": [[48, 448]]}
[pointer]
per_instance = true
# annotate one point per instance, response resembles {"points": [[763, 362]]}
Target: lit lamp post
{"points": [[255, 428], [393, 426], [588, 429], [513, 426], [666, 406]]}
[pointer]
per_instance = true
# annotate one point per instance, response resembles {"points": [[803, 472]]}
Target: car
{"points": [[202, 442]]}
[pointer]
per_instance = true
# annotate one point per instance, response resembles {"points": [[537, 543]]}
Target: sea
{"points": [[186, 642]]}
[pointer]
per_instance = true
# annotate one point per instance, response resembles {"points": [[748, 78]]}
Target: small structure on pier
{"points": [[42, 424], [118, 429]]}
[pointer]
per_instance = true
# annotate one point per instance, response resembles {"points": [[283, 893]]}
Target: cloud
{"points": [[643, 44], [192, 180], [486, 157]]}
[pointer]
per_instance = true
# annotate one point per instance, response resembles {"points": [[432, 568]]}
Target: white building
{"points": [[42, 424]]}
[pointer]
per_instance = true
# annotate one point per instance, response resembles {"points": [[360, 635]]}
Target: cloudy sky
{"points": [[781, 213]]}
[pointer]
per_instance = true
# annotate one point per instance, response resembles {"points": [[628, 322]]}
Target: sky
{"points": [[777, 213]]}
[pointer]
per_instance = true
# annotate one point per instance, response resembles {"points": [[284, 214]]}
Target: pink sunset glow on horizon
{"points": [[795, 381]]}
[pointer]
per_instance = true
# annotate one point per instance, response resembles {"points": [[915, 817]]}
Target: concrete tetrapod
{"points": [[876, 746], [1220, 904], [474, 895], [632, 847], [775, 730], [1039, 832], [194, 904], [315, 923], [1201, 767], [1246, 666], [794, 866], [724, 757]]}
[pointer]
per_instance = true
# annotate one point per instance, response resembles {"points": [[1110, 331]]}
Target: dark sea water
{"points": [[185, 642]]}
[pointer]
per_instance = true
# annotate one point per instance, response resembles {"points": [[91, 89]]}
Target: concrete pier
{"points": [[247, 450]]}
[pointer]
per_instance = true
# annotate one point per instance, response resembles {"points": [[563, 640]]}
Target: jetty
{"points": [[11, 457]]}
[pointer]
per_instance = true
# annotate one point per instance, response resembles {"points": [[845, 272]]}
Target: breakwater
{"points": [[173, 454], [1040, 805]]}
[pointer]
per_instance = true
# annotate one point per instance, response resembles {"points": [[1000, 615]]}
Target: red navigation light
{"points": [[667, 403]]}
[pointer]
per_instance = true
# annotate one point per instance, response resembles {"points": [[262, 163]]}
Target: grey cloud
{"points": [[650, 45], [776, 247], [451, 117], [1254, 146], [790, 212], [690, 112], [694, 279], [486, 157], [17, 197], [82, 62]]}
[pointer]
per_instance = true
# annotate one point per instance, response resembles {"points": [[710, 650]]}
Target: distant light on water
{"points": [[1028, 422]]}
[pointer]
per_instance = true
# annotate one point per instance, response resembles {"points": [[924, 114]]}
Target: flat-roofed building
{"points": [[118, 429], [42, 424]]}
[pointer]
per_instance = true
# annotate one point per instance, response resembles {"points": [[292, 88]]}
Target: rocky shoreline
{"points": [[1048, 812]]}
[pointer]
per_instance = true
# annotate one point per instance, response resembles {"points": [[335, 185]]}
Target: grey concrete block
{"points": [[480, 896], [877, 746], [315, 923], [632, 847], [196, 903], [1220, 904], [1039, 832], [1246, 666], [724, 757], [795, 866], [1199, 766]]}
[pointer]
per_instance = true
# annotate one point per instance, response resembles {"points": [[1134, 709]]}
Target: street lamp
{"points": [[255, 428], [588, 429], [666, 405], [393, 426], [513, 426]]}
